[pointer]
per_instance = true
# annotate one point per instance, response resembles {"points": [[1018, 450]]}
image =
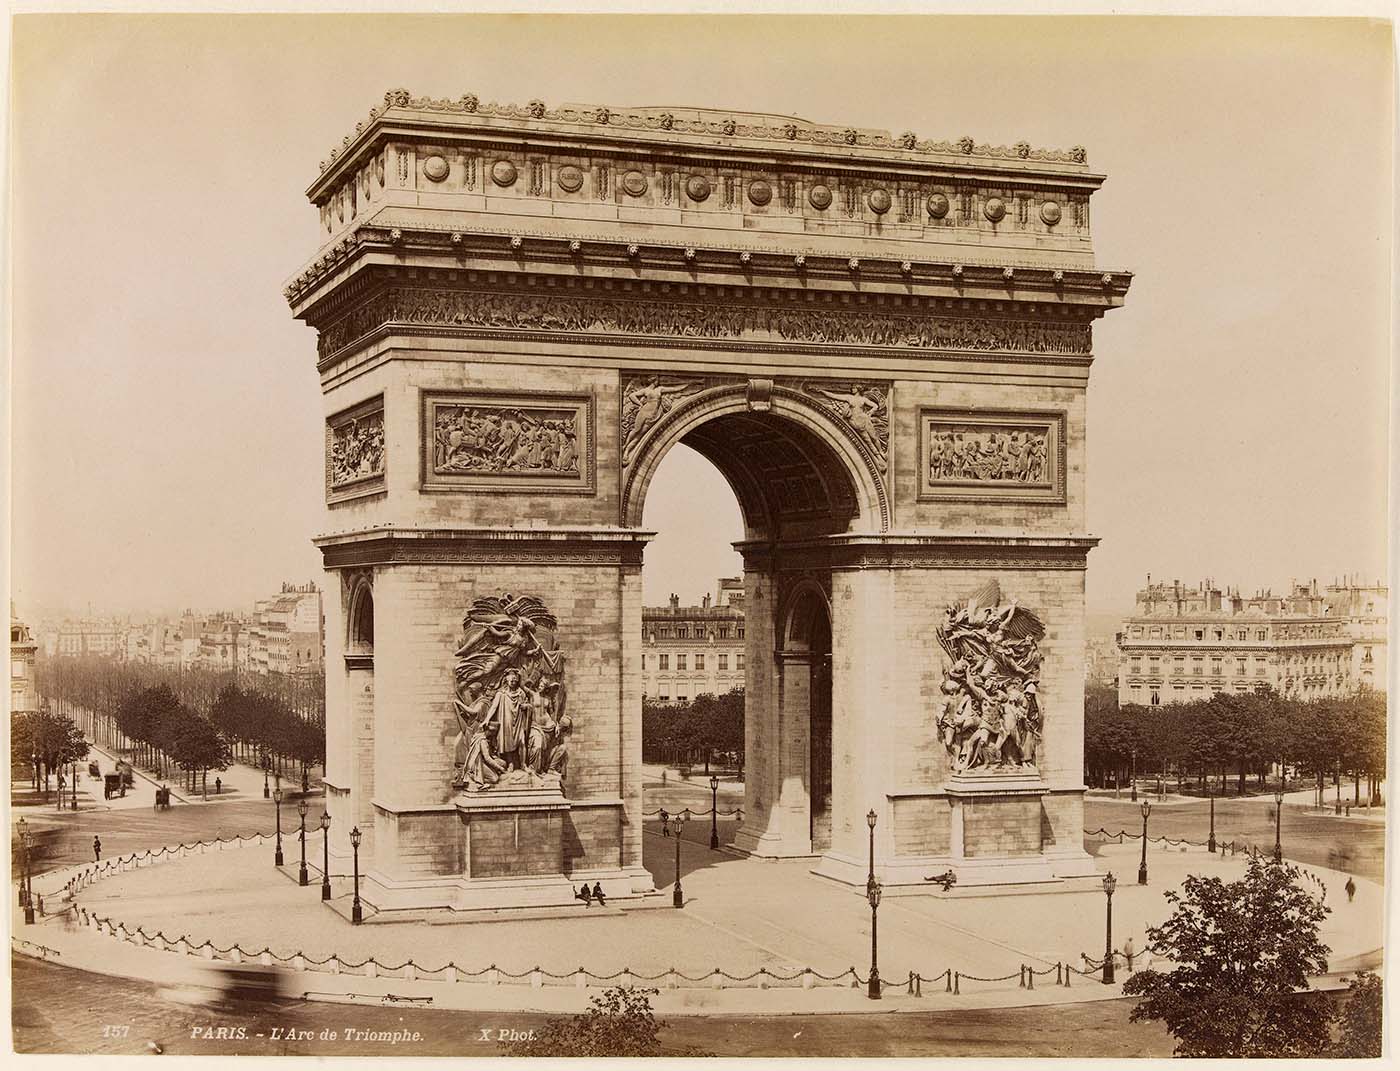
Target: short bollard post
{"points": [[207, 951], [957, 981], [266, 958], [449, 975], [236, 954], [718, 981], [1022, 984], [410, 971], [1066, 975], [671, 978], [493, 975], [1057, 972], [807, 979], [948, 975], [334, 965], [371, 968], [536, 979], [626, 982], [580, 978], [1030, 977], [298, 962]]}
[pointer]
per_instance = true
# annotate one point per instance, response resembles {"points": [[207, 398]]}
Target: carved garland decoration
{"points": [[990, 717], [451, 308]]}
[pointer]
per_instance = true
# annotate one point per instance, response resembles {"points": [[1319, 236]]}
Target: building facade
{"points": [[287, 634], [24, 694], [694, 650], [1185, 644], [1366, 610]]}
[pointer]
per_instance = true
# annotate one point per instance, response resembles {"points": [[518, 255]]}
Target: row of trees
{"points": [[46, 740], [705, 727], [196, 719], [1239, 734]]}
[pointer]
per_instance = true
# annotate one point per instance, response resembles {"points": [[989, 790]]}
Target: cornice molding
{"points": [[392, 545], [737, 263], [909, 551]]}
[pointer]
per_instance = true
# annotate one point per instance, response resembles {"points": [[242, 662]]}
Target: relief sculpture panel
{"points": [[645, 400], [355, 451], [992, 455], [864, 408], [504, 442], [990, 718]]}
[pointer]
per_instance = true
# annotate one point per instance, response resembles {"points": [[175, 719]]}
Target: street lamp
{"points": [[73, 775], [34, 765], [677, 897], [355, 915], [1132, 777], [325, 855], [870, 820], [26, 881], [1278, 825], [872, 893], [1210, 791], [1142, 869], [301, 874], [277, 856], [266, 791], [714, 812], [1109, 884]]}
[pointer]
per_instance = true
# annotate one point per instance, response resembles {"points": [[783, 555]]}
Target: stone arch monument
{"points": [[883, 343]]}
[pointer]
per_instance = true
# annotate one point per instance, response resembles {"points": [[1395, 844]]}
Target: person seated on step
{"points": [[585, 895], [598, 895]]}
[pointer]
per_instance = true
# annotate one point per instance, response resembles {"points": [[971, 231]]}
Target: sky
{"points": [[165, 419]]}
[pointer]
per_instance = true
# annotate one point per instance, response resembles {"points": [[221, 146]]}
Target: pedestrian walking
{"points": [[218, 785], [1351, 889], [1128, 953], [97, 849]]}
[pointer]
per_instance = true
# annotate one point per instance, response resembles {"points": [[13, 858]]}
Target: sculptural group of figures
{"points": [[357, 449], [987, 455], [473, 438], [510, 695], [990, 717]]}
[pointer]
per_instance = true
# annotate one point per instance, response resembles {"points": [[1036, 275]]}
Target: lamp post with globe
{"points": [[1142, 869], [714, 812], [277, 855], [356, 916], [301, 874], [1109, 884], [325, 855], [872, 893]]}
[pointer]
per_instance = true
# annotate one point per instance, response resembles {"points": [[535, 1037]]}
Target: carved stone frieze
{"points": [[864, 408], [604, 316], [987, 455], [486, 440], [989, 716], [355, 450]]}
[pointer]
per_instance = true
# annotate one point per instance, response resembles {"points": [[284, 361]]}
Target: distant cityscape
{"points": [[283, 633]]}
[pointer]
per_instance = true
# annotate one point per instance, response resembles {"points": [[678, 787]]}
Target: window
{"points": [[723, 661], [724, 632], [644, 661], [1137, 630], [1156, 696], [1136, 666], [1200, 633], [665, 661], [1261, 634], [680, 661], [1240, 666], [699, 661], [739, 632], [1216, 666], [680, 696], [1219, 634], [1156, 632], [739, 659]]}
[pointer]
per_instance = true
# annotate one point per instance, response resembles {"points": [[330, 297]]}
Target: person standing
{"points": [[1350, 888], [97, 849]]}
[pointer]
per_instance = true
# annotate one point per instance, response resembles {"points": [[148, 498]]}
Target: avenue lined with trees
{"points": [[1229, 743], [706, 729], [196, 720]]}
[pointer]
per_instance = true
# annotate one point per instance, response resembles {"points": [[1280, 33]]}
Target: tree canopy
{"points": [[1244, 950]]}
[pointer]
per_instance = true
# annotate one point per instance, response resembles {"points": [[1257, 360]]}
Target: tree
{"points": [[619, 1022], [1361, 1019], [1244, 951]]}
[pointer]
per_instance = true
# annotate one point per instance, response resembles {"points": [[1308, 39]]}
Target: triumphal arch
{"points": [[883, 343]]}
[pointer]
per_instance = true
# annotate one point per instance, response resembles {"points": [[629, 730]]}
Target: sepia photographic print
{"points": [[713, 534]]}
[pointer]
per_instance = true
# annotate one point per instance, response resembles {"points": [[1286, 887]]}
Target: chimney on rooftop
{"points": [[675, 601]]}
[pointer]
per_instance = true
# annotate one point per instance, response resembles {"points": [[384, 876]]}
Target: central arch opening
{"points": [[790, 484]]}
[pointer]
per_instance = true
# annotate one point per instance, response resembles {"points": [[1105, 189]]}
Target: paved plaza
{"points": [[740, 915]]}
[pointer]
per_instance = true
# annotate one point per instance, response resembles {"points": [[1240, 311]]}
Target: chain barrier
{"points": [[689, 813]]}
